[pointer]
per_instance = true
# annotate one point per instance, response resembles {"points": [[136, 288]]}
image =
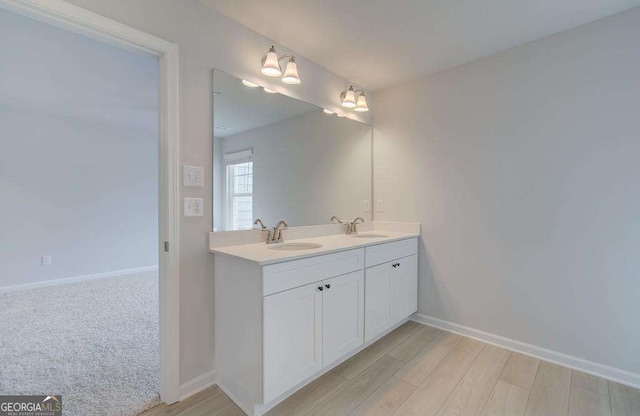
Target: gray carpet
{"points": [[94, 342]]}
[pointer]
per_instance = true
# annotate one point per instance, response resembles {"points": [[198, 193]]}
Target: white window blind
{"points": [[239, 190]]}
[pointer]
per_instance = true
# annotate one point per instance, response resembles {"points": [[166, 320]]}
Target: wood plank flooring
{"points": [[419, 370]]}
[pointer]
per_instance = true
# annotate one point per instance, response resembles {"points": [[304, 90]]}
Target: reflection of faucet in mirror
{"points": [[352, 227], [277, 233]]}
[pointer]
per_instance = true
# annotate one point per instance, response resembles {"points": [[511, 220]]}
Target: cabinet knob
{"points": [[327, 286], [320, 288]]}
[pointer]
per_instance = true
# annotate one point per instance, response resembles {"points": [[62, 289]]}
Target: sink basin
{"points": [[369, 236], [295, 246]]}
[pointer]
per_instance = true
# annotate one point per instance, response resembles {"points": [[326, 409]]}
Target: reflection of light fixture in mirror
{"points": [[269, 90], [348, 100], [328, 111], [361, 105], [271, 67], [249, 84]]}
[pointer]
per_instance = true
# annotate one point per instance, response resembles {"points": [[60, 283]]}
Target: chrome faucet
{"points": [[269, 231], [277, 233], [352, 227]]}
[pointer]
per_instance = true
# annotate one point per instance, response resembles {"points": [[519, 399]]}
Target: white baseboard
{"points": [[75, 279], [604, 371], [197, 384]]}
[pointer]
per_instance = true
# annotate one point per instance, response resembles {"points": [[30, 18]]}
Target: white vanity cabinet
{"points": [[391, 285], [310, 327], [280, 325]]}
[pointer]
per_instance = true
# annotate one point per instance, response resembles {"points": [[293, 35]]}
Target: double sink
{"points": [[313, 246]]}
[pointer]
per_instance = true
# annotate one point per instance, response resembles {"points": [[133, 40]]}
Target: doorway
{"points": [[79, 20]]}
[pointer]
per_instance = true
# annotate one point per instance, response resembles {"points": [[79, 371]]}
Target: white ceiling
{"points": [[379, 43]]}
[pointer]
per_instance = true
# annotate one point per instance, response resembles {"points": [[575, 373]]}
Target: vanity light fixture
{"points": [[361, 104], [329, 112], [269, 90], [271, 67], [249, 84], [348, 100], [340, 115]]}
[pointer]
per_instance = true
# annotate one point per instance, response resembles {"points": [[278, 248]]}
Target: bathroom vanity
{"points": [[286, 313]]}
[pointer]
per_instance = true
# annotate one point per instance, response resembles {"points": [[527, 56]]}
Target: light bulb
{"points": [[291, 72], [269, 90], [249, 84], [270, 65], [349, 98], [328, 111], [340, 115], [361, 106]]}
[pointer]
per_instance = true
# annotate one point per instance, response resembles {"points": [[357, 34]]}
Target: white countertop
{"points": [[263, 254]]}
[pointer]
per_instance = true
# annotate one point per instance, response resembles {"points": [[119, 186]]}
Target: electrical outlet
{"points": [[46, 260], [366, 205], [193, 207], [379, 205], [193, 176]]}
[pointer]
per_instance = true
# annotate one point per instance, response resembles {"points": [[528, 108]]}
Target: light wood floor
{"points": [[420, 370]]}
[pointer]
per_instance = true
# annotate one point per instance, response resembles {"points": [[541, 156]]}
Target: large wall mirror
{"points": [[278, 158]]}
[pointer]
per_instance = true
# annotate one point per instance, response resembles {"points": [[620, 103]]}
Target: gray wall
{"points": [[524, 170], [307, 168], [209, 40], [78, 154]]}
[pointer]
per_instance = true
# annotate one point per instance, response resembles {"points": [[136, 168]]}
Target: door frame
{"points": [[76, 19]]}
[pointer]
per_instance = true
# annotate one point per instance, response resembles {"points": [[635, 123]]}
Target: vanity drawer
{"points": [[296, 273], [383, 253]]}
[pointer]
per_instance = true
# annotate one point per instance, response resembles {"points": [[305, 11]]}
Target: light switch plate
{"points": [[193, 207], [193, 176]]}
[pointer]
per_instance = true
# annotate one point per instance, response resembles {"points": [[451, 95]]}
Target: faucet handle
{"points": [[259, 221], [336, 219]]}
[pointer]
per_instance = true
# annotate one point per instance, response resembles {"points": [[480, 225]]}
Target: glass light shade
{"points": [[349, 98], [269, 90], [291, 73], [328, 111], [340, 115], [362, 103], [249, 84], [270, 65]]}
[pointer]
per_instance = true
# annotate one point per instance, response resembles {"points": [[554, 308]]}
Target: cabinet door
{"points": [[405, 287], [343, 315], [378, 300], [292, 338]]}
